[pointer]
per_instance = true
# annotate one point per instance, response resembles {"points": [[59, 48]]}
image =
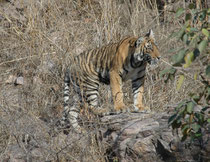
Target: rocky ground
{"points": [[127, 137]]}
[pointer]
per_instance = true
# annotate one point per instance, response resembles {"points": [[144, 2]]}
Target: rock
{"points": [[19, 81], [133, 128], [147, 137]]}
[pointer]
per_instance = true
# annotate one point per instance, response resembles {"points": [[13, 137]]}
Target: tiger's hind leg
{"points": [[91, 95], [71, 109]]}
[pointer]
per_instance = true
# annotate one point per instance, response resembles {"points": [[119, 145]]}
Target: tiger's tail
{"points": [[71, 111]]}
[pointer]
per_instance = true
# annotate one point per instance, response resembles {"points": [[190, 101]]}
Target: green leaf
{"points": [[180, 82], [199, 116], [178, 58], [208, 71], [181, 32], [202, 45], [208, 120], [167, 71], [205, 32], [163, 72], [198, 135], [205, 108], [185, 38], [188, 17], [196, 98], [184, 127], [195, 76], [172, 70], [202, 15], [190, 107], [180, 105], [171, 119], [193, 30], [196, 127], [179, 12], [188, 59], [208, 94]]}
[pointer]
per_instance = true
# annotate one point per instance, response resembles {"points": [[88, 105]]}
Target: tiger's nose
{"points": [[159, 57]]}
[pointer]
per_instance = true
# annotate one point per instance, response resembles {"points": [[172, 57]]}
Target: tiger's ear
{"points": [[139, 41], [132, 42], [150, 34]]}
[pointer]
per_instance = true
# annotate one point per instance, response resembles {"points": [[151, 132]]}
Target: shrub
{"points": [[191, 115]]}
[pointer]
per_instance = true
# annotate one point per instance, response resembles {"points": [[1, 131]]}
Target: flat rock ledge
{"points": [[147, 137]]}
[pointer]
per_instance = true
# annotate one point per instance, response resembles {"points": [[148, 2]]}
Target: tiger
{"points": [[111, 64]]}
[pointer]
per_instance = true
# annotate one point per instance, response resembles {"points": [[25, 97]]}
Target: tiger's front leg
{"points": [[138, 90], [117, 94]]}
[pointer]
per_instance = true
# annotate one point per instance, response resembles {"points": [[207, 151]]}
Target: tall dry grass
{"points": [[37, 40]]}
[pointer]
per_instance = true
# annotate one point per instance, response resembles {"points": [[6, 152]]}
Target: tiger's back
{"points": [[96, 63]]}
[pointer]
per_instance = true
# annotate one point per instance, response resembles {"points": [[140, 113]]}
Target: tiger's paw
{"points": [[122, 109], [101, 111], [62, 123], [141, 109]]}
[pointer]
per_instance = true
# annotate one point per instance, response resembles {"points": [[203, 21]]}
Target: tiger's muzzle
{"points": [[152, 61]]}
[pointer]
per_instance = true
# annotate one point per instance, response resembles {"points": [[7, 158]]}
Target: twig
{"points": [[180, 70], [23, 58]]}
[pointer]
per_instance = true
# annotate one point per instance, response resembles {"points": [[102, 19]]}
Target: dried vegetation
{"points": [[37, 39]]}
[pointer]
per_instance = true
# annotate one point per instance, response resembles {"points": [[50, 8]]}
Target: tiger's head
{"points": [[146, 49]]}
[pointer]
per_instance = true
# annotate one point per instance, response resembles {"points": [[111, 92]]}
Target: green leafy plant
{"points": [[191, 115], [191, 118]]}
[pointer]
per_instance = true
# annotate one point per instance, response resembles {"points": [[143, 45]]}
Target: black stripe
{"points": [[120, 74], [125, 69], [138, 79], [136, 92], [74, 110], [102, 59], [87, 55], [87, 84], [135, 87], [141, 71], [140, 64], [88, 95], [132, 62], [90, 100], [67, 77], [65, 104], [66, 95], [91, 89]]}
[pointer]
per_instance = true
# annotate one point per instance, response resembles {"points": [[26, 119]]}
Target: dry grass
{"points": [[37, 38]]}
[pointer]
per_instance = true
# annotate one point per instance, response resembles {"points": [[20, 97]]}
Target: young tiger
{"points": [[111, 64]]}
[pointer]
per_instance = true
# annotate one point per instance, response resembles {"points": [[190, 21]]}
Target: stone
{"points": [[143, 137], [19, 81]]}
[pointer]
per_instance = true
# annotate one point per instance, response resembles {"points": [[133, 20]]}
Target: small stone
{"points": [[19, 81]]}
